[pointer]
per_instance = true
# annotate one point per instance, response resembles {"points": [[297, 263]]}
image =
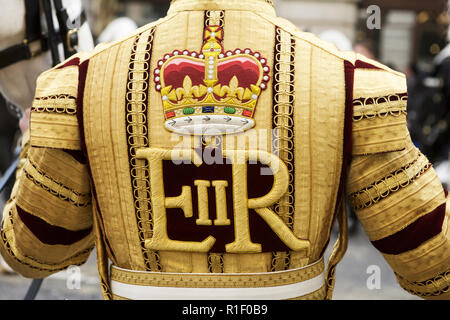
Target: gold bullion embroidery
{"points": [[62, 104], [395, 181]]}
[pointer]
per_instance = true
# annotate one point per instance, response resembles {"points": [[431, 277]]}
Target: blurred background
{"points": [[410, 36], [412, 32]]}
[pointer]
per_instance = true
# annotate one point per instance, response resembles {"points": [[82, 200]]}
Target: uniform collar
{"points": [[263, 6]]}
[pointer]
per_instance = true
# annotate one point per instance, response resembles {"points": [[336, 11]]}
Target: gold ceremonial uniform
{"points": [[213, 149]]}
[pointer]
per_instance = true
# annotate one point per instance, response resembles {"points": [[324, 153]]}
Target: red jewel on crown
{"points": [[211, 90]]}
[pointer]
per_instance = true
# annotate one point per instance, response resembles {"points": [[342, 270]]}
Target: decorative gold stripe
{"points": [[280, 261], [393, 105], [430, 288], [116, 297], [62, 104], [381, 189], [137, 137], [206, 280], [283, 123], [215, 18], [55, 188]]}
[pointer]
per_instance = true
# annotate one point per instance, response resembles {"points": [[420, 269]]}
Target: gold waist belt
{"points": [[289, 284]]}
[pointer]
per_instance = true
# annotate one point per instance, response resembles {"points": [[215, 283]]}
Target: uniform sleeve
{"points": [[47, 223], [394, 189]]}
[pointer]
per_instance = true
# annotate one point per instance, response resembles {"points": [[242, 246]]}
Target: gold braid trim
{"points": [[43, 267], [434, 287], [381, 107], [316, 295], [62, 104], [137, 137], [283, 123], [41, 179], [395, 181]]}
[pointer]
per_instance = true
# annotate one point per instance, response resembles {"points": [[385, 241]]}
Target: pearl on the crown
{"points": [[213, 34], [210, 90], [157, 71], [247, 51], [255, 97], [165, 98]]}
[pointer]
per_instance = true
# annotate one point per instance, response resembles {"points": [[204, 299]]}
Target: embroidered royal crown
{"points": [[211, 92]]}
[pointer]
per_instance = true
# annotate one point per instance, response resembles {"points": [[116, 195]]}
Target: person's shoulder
{"points": [[105, 47]]}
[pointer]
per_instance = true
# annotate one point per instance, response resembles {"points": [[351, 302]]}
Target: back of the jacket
{"points": [[218, 142]]}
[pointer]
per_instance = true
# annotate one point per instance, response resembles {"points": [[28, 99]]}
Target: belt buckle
{"points": [[72, 39]]}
